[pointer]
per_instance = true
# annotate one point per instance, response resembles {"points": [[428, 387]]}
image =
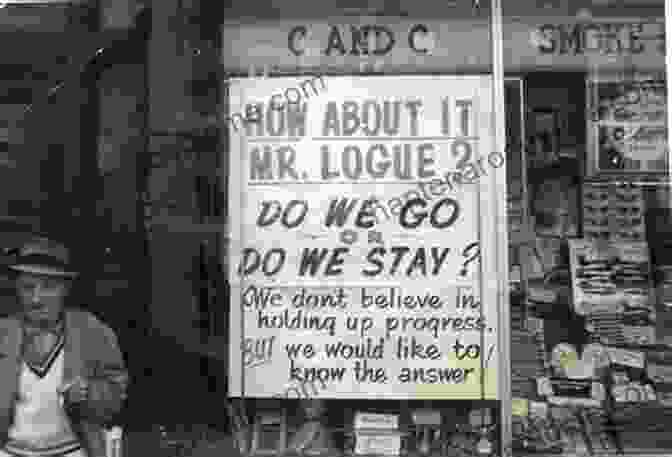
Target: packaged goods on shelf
{"points": [[614, 212]]}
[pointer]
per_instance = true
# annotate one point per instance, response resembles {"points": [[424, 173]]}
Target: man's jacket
{"points": [[91, 351]]}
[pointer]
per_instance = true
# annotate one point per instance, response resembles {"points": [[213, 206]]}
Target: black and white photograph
{"points": [[335, 228]]}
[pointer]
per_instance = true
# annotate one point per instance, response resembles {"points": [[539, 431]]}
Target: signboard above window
{"points": [[403, 45], [613, 38]]}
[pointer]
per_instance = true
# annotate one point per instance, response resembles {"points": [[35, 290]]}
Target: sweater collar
{"points": [[57, 328]]}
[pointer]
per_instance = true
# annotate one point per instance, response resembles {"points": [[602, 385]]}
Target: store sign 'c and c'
{"points": [[359, 40]]}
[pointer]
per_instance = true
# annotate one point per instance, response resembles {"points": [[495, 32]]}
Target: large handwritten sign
{"points": [[342, 271]]}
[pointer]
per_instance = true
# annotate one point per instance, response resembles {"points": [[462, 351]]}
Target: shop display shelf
{"points": [[646, 348], [649, 411]]}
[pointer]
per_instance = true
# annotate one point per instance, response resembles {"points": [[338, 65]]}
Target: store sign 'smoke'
{"points": [[600, 38], [364, 40]]}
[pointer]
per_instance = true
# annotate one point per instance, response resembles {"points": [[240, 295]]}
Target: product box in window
{"points": [[639, 328], [574, 380], [659, 371], [664, 305], [628, 380], [377, 434], [614, 278]]}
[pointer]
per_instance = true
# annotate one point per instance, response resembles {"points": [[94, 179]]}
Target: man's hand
{"points": [[76, 391]]}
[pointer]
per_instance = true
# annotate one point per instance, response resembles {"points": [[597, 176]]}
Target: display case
{"points": [[595, 306]]}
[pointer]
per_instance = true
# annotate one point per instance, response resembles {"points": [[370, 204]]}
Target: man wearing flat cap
{"points": [[62, 375]]}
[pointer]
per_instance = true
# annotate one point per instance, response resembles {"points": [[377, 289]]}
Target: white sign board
{"points": [[357, 216]]}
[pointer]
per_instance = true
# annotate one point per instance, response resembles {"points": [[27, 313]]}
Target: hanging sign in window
{"points": [[356, 240]]}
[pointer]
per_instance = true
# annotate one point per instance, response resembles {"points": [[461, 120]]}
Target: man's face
{"points": [[42, 297]]}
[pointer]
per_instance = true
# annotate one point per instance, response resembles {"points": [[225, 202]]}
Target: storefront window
{"points": [[369, 306], [590, 350], [366, 212]]}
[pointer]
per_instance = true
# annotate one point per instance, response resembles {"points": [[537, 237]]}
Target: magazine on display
{"points": [[627, 130]]}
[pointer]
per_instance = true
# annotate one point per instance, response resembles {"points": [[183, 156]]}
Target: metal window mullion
{"points": [[501, 245]]}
